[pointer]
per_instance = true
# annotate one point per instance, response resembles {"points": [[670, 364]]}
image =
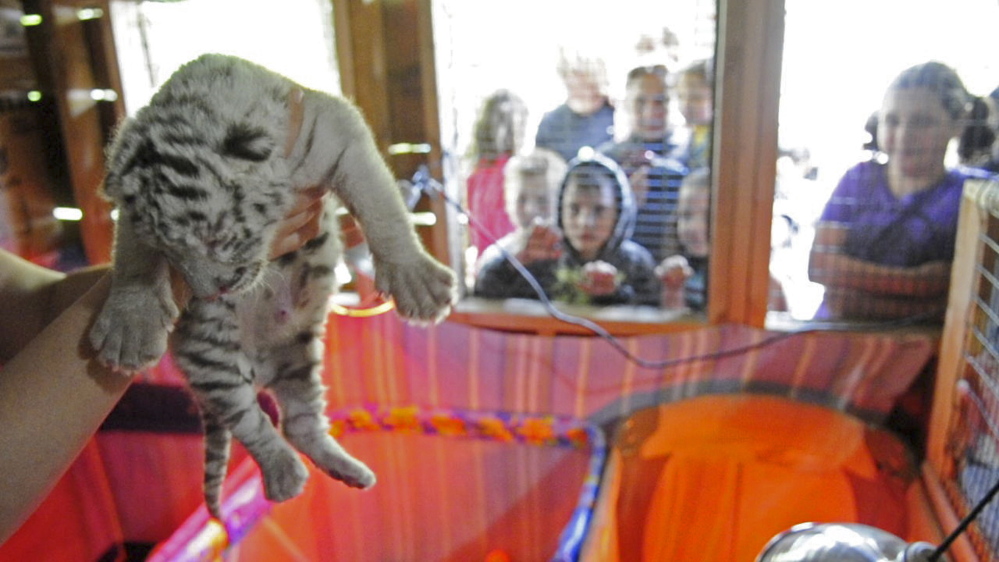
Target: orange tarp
{"points": [[714, 478]]}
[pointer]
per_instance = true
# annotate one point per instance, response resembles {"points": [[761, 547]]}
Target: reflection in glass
{"points": [[633, 85]]}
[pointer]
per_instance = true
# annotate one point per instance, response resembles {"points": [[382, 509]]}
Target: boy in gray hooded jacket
{"points": [[598, 263]]}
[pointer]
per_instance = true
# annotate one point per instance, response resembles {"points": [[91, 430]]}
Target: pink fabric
{"points": [[436, 499], [487, 203], [155, 480], [452, 487], [77, 521]]}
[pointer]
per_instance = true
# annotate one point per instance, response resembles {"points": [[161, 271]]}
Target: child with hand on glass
{"points": [[531, 187], [685, 276], [594, 262]]}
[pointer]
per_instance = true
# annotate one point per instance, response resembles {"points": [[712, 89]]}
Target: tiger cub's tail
{"points": [[217, 444]]}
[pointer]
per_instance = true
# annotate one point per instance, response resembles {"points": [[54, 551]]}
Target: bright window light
{"points": [[425, 218], [342, 273], [85, 14], [103, 95], [409, 148], [155, 38], [67, 214]]}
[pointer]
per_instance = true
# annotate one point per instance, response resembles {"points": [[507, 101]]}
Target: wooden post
{"points": [[751, 37]]}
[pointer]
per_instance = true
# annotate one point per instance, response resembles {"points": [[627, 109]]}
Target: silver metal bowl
{"points": [[842, 542]]}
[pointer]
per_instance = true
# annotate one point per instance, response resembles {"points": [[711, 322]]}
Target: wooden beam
{"points": [[387, 67], [751, 36], [980, 197]]}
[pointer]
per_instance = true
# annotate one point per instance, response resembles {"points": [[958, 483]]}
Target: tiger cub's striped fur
{"points": [[201, 178]]}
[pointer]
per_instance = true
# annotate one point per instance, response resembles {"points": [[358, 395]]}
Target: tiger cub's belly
{"points": [[289, 301]]}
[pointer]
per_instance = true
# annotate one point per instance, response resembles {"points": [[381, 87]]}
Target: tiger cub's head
{"points": [[210, 200]]}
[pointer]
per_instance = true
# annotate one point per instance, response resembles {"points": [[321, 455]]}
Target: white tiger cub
{"points": [[201, 178]]}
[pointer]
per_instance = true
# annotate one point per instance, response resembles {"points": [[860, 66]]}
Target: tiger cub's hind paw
{"points": [[284, 477], [351, 472]]}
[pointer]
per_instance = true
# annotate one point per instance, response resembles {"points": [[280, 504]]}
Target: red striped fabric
{"points": [[381, 360]]}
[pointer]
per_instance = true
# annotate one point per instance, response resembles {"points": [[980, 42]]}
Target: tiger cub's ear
{"points": [[129, 150], [247, 142]]}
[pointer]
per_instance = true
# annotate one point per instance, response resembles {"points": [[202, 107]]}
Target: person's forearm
{"points": [[25, 291], [69, 289], [53, 397], [861, 305], [843, 272]]}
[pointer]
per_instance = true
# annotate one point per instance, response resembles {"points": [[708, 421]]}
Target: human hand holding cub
{"points": [[301, 223]]}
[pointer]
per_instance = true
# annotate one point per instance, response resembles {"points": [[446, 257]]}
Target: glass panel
{"points": [[873, 211], [569, 128]]}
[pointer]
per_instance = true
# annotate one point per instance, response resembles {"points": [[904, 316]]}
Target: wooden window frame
{"points": [[750, 42]]}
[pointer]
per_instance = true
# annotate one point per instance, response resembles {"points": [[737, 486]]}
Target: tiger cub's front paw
{"points": [[130, 333], [423, 289]]}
